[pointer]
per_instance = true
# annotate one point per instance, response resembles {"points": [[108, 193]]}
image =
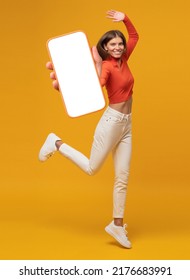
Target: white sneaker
{"points": [[119, 233], [48, 148]]}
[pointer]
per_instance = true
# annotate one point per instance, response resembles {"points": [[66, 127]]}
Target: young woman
{"points": [[113, 132]]}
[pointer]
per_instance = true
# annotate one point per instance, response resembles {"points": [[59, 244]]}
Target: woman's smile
{"points": [[115, 47]]}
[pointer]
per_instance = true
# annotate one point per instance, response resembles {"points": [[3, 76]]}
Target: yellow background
{"points": [[54, 210]]}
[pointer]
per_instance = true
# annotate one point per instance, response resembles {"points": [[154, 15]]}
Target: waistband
{"points": [[118, 114]]}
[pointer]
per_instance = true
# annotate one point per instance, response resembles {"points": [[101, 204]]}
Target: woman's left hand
{"points": [[115, 15]]}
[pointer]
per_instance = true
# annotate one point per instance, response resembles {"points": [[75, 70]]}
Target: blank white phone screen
{"points": [[76, 73]]}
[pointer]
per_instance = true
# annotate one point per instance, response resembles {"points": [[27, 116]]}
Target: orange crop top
{"points": [[118, 80]]}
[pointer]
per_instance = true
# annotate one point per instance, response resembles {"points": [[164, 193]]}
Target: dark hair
{"points": [[105, 39]]}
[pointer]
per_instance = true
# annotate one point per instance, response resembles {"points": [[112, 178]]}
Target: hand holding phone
{"points": [[76, 74]]}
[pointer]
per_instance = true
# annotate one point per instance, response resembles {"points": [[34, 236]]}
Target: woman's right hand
{"points": [[97, 60], [55, 83]]}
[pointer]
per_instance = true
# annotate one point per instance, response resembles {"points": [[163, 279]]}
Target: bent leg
{"points": [[76, 157], [105, 139]]}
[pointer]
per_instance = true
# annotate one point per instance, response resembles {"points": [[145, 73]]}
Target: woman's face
{"points": [[115, 47]]}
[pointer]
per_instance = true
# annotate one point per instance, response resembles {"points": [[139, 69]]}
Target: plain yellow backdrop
{"points": [[54, 210]]}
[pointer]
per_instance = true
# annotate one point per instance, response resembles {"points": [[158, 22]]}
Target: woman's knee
{"points": [[92, 171]]}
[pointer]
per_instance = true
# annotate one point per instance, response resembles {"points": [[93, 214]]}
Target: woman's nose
{"points": [[117, 47]]}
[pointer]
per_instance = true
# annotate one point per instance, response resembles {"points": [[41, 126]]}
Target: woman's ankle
{"points": [[118, 222], [58, 144]]}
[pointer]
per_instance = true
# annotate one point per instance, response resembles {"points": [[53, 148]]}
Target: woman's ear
{"points": [[105, 48]]}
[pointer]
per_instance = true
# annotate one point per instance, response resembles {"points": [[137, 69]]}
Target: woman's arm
{"points": [[97, 60], [133, 35]]}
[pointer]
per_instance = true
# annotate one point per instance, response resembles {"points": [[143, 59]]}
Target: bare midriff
{"points": [[123, 107]]}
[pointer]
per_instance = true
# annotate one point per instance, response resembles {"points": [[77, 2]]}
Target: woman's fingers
{"points": [[53, 76], [55, 84], [49, 65]]}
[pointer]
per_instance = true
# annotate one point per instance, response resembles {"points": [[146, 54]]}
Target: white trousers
{"points": [[113, 133]]}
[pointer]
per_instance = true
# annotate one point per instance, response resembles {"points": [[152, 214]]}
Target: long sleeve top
{"points": [[118, 79]]}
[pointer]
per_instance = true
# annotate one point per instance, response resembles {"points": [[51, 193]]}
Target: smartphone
{"points": [[76, 73]]}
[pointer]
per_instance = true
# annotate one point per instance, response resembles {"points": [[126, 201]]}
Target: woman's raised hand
{"points": [[115, 15]]}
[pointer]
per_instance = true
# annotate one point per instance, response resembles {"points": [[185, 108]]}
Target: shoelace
{"points": [[124, 230], [124, 227], [125, 234]]}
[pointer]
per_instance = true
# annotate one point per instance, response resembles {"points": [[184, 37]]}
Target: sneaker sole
{"points": [[116, 238]]}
